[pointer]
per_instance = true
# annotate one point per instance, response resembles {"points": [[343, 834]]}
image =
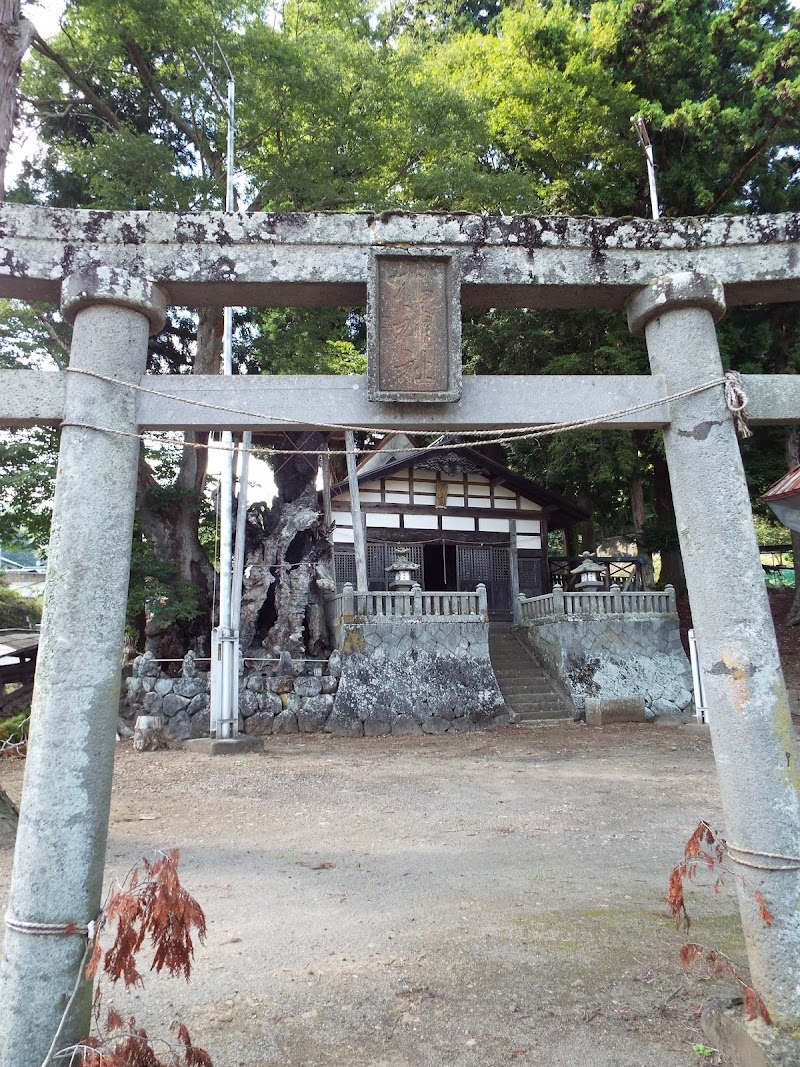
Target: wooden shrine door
{"points": [[490, 566]]}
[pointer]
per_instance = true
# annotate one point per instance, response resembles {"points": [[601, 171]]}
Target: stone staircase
{"points": [[526, 688]]}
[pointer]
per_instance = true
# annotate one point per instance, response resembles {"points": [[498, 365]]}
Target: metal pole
{"points": [[228, 622], [644, 141], [359, 538], [697, 680], [513, 570], [241, 522]]}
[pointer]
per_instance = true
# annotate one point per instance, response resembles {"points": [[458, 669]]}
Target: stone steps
{"points": [[525, 687]]}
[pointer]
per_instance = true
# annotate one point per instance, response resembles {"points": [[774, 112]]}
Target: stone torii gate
{"points": [[115, 273]]}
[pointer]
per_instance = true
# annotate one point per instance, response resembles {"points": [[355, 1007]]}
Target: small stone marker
{"points": [[148, 734], [606, 712], [413, 328]]}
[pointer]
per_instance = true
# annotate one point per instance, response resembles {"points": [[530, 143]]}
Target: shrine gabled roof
{"points": [[560, 511], [788, 485]]}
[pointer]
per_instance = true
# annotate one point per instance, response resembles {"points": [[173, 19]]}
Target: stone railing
{"points": [[611, 602], [352, 605]]}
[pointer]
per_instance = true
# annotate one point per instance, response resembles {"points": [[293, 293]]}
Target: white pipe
{"points": [[241, 522], [697, 680], [225, 583]]}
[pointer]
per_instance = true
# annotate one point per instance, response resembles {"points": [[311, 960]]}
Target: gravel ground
{"points": [[477, 899]]}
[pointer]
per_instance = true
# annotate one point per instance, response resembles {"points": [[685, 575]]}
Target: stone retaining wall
{"points": [[612, 657], [392, 676], [414, 676]]}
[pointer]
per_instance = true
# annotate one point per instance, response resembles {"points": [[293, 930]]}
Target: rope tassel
{"points": [[737, 400]]}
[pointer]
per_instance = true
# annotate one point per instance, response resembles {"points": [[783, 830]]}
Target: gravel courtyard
{"points": [[475, 899]]}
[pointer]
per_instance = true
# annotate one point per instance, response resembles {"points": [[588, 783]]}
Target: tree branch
{"points": [[15, 38], [149, 81], [54, 336], [80, 83]]}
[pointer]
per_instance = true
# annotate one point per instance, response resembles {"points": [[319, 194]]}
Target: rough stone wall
{"points": [[184, 701], [616, 657], [407, 676], [392, 676], [294, 696]]}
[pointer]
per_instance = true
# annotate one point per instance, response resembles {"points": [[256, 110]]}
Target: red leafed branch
{"points": [[126, 1044], [151, 905], [706, 849], [723, 966]]}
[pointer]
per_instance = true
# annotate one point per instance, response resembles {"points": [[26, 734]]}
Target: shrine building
{"points": [[465, 518]]}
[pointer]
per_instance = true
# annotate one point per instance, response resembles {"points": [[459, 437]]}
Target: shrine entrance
{"points": [[490, 567], [115, 274]]}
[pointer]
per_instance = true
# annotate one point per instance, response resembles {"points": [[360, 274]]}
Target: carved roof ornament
{"points": [[450, 463]]}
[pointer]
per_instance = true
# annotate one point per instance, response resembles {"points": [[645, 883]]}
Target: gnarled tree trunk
{"points": [[16, 34], [169, 520], [639, 514], [288, 564], [672, 572], [587, 531]]}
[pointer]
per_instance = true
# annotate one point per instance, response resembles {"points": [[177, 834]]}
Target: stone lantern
{"points": [[401, 571], [591, 576]]}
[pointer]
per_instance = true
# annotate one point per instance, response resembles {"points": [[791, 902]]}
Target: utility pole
{"points": [[225, 636]]}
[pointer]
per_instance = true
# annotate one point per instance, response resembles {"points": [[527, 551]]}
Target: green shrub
{"points": [[17, 612], [15, 728]]}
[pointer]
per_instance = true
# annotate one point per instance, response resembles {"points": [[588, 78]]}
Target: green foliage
{"points": [[126, 170], [16, 728], [158, 588], [29, 339], [27, 471], [770, 532], [304, 341], [658, 535], [17, 612]]}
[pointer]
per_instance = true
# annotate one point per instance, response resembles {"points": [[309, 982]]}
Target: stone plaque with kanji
{"points": [[413, 328]]}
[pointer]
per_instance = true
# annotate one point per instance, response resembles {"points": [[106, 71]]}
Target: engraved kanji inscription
{"points": [[413, 324]]}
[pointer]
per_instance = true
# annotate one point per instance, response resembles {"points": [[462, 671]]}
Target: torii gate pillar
{"points": [[751, 729], [61, 841]]}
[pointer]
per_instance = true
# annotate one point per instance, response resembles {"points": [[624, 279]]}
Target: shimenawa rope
{"points": [[735, 398]]}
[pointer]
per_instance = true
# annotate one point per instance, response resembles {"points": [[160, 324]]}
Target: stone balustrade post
{"points": [[483, 601], [558, 600], [348, 603], [672, 604], [616, 598], [60, 850], [752, 735], [416, 598], [519, 608]]}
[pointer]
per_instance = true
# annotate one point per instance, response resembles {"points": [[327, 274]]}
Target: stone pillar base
{"points": [[224, 746], [745, 1044]]}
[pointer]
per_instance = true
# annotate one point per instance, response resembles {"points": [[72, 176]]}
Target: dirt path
{"points": [[479, 899]]}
